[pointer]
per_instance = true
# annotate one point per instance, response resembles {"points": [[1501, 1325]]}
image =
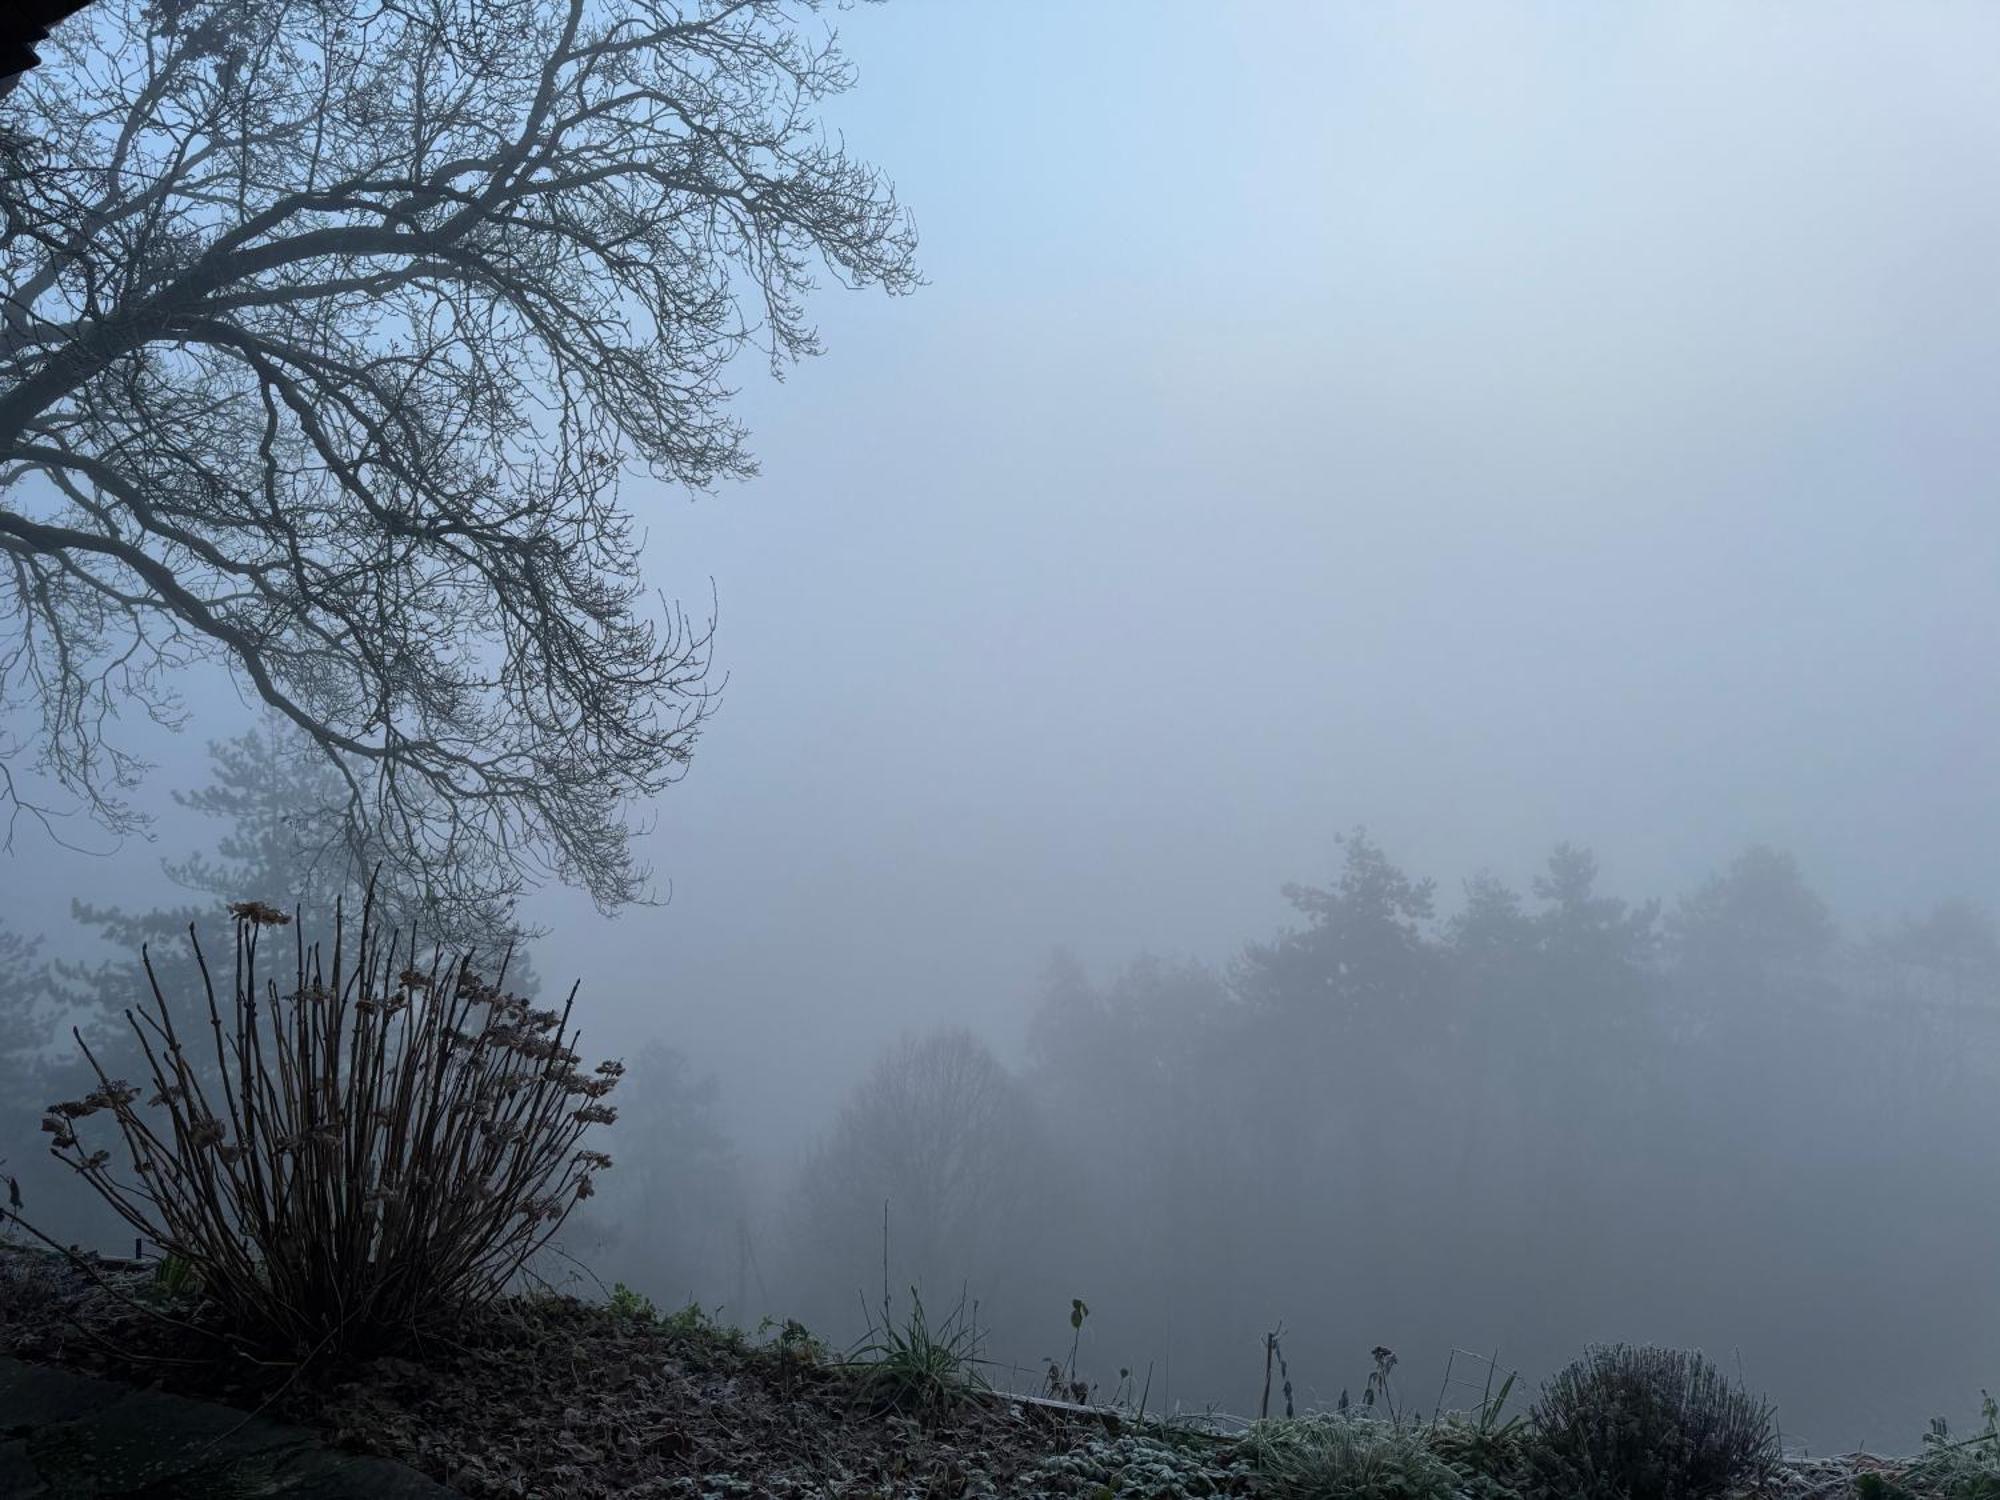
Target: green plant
{"points": [[1963, 1468], [918, 1368], [176, 1275], [696, 1322], [174, 1279], [1489, 1452], [1880, 1487], [371, 1150], [1347, 1457], [626, 1303], [794, 1343], [1640, 1423]]}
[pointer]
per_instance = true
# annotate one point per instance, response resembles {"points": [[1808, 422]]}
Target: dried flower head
{"points": [[257, 914], [113, 1095], [574, 1082]]}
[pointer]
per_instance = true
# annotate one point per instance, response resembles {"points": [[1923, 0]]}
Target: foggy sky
{"points": [[1495, 426]]}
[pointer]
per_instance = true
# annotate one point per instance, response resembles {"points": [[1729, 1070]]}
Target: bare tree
{"points": [[942, 1133], [329, 327]]}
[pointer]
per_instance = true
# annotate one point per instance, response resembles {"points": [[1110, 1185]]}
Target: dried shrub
{"points": [[1651, 1424], [374, 1148]]}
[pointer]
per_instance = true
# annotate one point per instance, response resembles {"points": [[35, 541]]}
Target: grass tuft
{"points": [[1347, 1457], [918, 1368]]}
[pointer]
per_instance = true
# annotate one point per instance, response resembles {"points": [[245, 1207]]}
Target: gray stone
{"points": [[75, 1435], [31, 1395]]}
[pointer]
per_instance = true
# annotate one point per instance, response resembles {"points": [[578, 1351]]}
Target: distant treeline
{"points": [[1542, 1118], [1549, 1117]]}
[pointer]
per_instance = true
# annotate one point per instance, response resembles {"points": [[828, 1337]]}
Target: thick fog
{"points": [[1502, 430]]}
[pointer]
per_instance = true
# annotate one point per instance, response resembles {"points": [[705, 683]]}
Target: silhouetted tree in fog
{"points": [[284, 841], [328, 330], [1955, 941], [945, 1136], [671, 1221], [1549, 1118], [1346, 1011], [1755, 924]]}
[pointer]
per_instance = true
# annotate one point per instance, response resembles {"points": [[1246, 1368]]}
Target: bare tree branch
{"points": [[327, 328]]}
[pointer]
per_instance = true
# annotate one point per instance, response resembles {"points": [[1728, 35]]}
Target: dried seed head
{"points": [[596, 1159], [113, 1095], [257, 914], [597, 1114], [205, 1131]]}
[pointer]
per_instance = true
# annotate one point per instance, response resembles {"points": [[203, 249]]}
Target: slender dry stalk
{"points": [[374, 1148]]}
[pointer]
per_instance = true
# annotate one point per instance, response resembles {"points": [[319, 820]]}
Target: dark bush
{"points": [[372, 1149], [1626, 1423]]}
